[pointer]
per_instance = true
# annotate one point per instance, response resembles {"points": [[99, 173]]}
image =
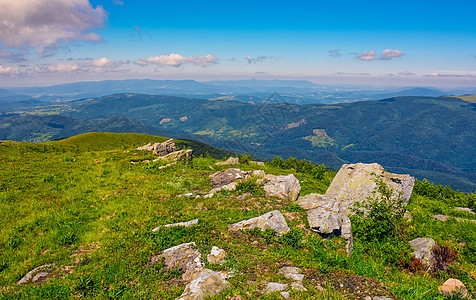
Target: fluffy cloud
{"points": [[406, 73], [253, 60], [9, 71], [47, 23], [60, 67], [368, 55], [335, 53], [177, 60], [388, 54]]}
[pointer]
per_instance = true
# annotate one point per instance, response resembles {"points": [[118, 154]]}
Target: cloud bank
{"points": [[47, 23], [177, 60]]}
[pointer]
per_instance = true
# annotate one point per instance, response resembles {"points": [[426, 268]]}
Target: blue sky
{"points": [[431, 43]]}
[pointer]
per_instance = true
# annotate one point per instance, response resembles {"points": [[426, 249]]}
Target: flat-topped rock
{"points": [[182, 224], [38, 275], [228, 176], [273, 220]]}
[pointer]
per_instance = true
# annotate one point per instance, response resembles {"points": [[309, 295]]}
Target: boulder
{"points": [[329, 214], [183, 258], [206, 283], [229, 161], [38, 275], [273, 220], [284, 187], [466, 209], [185, 155], [228, 176], [259, 163], [423, 250], [441, 217], [453, 287], [216, 255], [160, 149]]}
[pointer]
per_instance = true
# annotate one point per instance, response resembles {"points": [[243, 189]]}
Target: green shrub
{"points": [[301, 166], [250, 186], [86, 286], [379, 227], [244, 159]]}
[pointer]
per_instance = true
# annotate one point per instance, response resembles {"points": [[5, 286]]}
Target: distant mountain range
{"points": [[429, 137], [256, 91]]}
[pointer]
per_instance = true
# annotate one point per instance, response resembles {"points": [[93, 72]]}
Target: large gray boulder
{"points": [[329, 214], [273, 220], [206, 283], [284, 187], [422, 249]]}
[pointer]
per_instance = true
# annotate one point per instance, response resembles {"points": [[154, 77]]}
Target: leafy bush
{"points": [[378, 225], [244, 159], [444, 194], [301, 166], [86, 286]]}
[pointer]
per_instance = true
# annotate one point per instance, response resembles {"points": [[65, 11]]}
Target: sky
{"points": [[376, 43]]}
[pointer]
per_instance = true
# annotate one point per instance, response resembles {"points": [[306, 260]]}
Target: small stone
{"points": [[441, 217], [452, 287], [292, 273], [466, 209], [423, 250], [229, 161], [38, 274], [183, 258], [183, 224], [216, 255], [275, 287]]}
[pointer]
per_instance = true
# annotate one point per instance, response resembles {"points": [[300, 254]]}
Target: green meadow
{"points": [[81, 204]]}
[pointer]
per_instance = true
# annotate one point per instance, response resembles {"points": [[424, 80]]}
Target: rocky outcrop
{"points": [[453, 287], [38, 275], [422, 249], [273, 220], [206, 283], [168, 151], [329, 214], [284, 187], [228, 176], [229, 161]]}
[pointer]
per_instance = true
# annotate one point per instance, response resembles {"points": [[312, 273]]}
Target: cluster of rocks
{"points": [[284, 187], [168, 151], [292, 273], [188, 260], [329, 214], [444, 218]]}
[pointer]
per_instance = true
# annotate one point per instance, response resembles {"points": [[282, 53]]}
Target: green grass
{"points": [[80, 203]]}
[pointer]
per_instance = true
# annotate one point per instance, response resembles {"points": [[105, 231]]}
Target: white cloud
{"points": [[61, 67], [368, 55], [103, 64], [406, 73], [177, 60], [388, 54], [47, 23], [253, 60], [9, 71]]}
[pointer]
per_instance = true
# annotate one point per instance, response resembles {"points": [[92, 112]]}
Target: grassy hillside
{"points": [[431, 135], [89, 211]]}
